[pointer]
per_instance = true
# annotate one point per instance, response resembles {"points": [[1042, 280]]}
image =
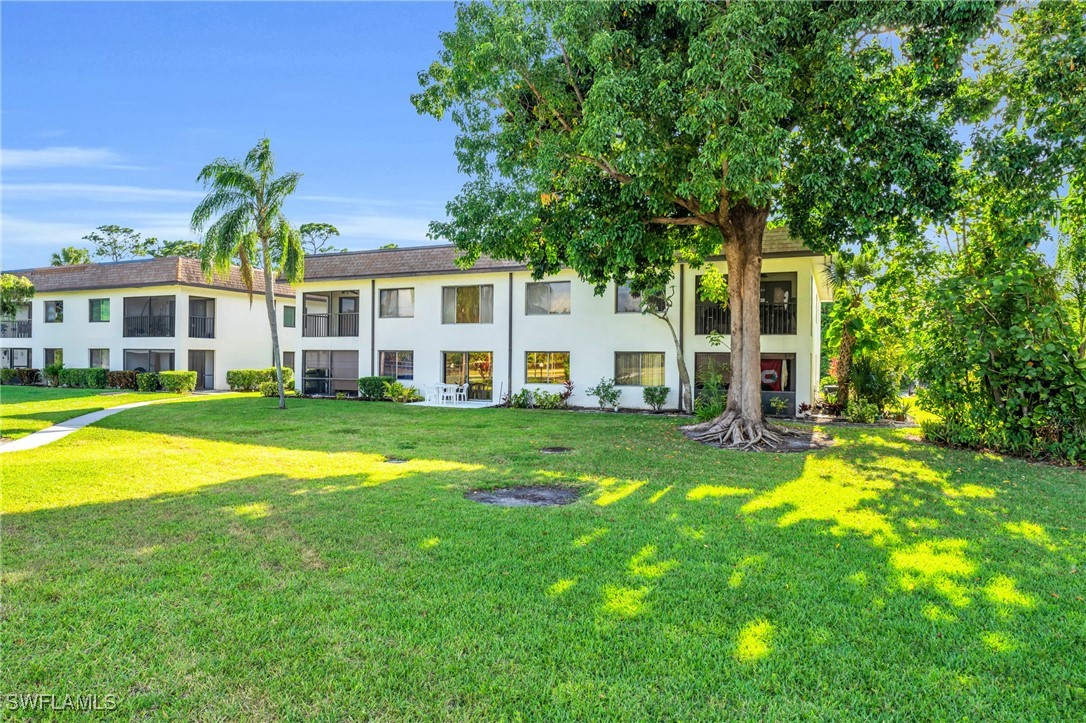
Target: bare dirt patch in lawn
{"points": [[526, 496]]}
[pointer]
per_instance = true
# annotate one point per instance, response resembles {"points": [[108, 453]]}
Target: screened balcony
{"points": [[776, 310], [330, 313], [149, 316]]}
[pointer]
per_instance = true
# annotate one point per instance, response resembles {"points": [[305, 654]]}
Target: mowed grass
{"points": [[28, 409], [225, 560]]}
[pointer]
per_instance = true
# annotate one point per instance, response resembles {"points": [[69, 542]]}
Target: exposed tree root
{"points": [[731, 431]]}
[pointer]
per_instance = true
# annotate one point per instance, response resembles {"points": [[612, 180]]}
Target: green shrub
{"points": [[180, 382], [121, 379], [656, 397], [862, 412], [826, 381], [51, 373], [28, 377], [249, 380], [713, 396], [778, 406], [606, 393], [271, 389], [147, 382], [397, 392], [8, 376], [875, 379], [96, 377], [543, 399], [72, 377], [519, 400], [373, 388]]}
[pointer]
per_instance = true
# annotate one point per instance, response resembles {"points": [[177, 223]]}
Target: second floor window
{"points": [[99, 310], [546, 297], [289, 313], [397, 303], [54, 312], [467, 304], [628, 301]]}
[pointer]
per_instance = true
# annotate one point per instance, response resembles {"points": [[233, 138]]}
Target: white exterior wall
{"points": [[242, 338], [592, 332]]}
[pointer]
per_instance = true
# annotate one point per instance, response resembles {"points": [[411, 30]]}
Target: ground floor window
{"points": [[288, 359], [639, 368], [474, 368], [778, 371], [99, 358], [15, 358], [330, 372], [546, 367], [148, 360], [54, 356], [398, 364]]}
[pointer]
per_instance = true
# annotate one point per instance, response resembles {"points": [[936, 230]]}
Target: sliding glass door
{"points": [[474, 367]]}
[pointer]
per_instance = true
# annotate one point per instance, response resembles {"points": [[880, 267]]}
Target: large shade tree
{"points": [[246, 200], [618, 138]]}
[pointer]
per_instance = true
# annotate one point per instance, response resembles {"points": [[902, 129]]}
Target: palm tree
{"points": [[248, 200], [71, 256], [847, 276]]}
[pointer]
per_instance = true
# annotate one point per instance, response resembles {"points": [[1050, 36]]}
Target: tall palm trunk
{"points": [[844, 366], [269, 298], [743, 424]]}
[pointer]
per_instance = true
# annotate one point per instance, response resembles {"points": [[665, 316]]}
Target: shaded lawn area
{"points": [[241, 562], [27, 409]]}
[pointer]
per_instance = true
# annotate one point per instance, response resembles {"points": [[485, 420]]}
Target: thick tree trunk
{"points": [[844, 368], [742, 424], [269, 298]]}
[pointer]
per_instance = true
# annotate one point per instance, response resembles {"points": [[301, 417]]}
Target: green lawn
{"points": [[225, 560], [27, 409]]}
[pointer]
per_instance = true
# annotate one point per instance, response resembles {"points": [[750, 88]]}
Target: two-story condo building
{"points": [[413, 314], [145, 315]]}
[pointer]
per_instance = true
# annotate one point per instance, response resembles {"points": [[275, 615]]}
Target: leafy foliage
{"points": [[115, 243], [372, 389], [401, 393], [147, 382], [8, 375], [249, 380], [656, 397], [14, 292], [861, 412], [82, 378], [713, 396], [315, 238], [121, 379], [70, 256], [178, 382], [606, 393], [29, 377]]}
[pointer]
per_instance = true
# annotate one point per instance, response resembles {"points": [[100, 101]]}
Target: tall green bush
{"points": [[249, 380], [373, 388], [147, 381], [178, 382]]}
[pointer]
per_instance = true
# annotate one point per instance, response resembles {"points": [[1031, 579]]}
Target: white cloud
{"points": [[59, 157], [95, 192]]}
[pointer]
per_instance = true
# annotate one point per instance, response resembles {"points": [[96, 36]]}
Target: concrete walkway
{"points": [[59, 431]]}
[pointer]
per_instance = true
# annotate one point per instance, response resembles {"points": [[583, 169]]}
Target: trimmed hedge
{"points": [[249, 380], [83, 378], [147, 382], [178, 382], [28, 377], [121, 380], [373, 388], [8, 376], [271, 389]]}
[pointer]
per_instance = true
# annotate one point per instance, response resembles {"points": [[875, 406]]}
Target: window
{"points": [[289, 314], [149, 316], [288, 359], [467, 304], [398, 364], [777, 308], [54, 356], [99, 309], [778, 371], [546, 367], [99, 358], [54, 312], [629, 302], [148, 360], [397, 303], [711, 364], [639, 368], [546, 297]]}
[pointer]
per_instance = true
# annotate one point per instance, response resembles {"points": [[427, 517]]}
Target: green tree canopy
{"points": [[14, 292], [70, 256], [246, 200], [618, 137], [159, 249], [316, 236], [115, 243]]}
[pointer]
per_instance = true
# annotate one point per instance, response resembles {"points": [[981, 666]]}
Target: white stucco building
{"points": [[413, 314], [149, 314]]}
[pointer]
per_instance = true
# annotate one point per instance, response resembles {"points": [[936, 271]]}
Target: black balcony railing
{"points": [[202, 327], [330, 325], [148, 326], [13, 329], [774, 318]]}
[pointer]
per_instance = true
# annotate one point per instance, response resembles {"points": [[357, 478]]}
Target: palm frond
{"points": [[281, 187], [292, 261]]}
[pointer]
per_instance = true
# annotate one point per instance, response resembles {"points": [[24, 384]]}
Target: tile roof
{"points": [[441, 259], [166, 271], [409, 261]]}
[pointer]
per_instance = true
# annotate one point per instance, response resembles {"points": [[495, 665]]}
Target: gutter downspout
{"points": [[682, 330], [509, 365], [373, 327]]}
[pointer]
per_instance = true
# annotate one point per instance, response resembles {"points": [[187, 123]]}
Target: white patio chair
{"points": [[433, 394], [448, 393], [462, 392]]}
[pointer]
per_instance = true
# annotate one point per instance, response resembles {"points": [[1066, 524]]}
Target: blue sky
{"points": [[110, 110]]}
